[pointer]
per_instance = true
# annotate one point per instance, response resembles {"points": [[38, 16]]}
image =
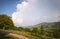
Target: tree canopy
{"points": [[6, 22]]}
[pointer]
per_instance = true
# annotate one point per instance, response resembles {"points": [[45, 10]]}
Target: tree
{"points": [[35, 31], [42, 29], [6, 22], [28, 29], [20, 28]]}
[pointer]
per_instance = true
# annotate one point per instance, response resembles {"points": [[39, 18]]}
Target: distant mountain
{"points": [[51, 25]]}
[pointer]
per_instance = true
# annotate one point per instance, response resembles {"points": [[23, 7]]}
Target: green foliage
{"points": [[27, 34], [20, 28], [56, 33], [42, 30], [28, 29], [48, 30], [35, 30], [5, 22]]}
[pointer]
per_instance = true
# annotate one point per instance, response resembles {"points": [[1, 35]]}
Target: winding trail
{"points": [[19, 36]]}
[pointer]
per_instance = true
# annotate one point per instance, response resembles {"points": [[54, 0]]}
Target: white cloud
{"points": [[17, 18], [31, 12]]}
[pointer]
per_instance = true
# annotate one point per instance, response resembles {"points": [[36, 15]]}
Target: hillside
{"points": [[51, 25]]}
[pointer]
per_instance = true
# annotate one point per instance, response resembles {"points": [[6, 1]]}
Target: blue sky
{"points": [[31, 12], [8, 6]]}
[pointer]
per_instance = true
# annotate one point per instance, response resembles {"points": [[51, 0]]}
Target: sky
{"points": [[31, 12]]}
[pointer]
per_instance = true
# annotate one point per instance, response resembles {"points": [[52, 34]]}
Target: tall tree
{"points": [[6, 22]]}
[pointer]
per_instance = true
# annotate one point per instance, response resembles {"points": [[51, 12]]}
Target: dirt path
{"points": [[18, 36]]}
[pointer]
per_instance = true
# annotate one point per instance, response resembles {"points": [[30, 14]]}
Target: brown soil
{"points": [[18, 36]]}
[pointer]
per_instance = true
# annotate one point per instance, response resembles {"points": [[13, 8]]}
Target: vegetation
{"points": [[5, 35], [6, 22], [39, 31]]}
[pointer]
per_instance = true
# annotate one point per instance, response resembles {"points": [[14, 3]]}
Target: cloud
{"points": [[30, 12]]}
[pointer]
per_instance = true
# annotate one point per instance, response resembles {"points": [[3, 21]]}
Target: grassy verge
{"points": [[26, 34], [4, 35]]}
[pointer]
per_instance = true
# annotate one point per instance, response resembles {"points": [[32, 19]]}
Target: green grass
{"points": [[3, 35], [26, 34]]}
